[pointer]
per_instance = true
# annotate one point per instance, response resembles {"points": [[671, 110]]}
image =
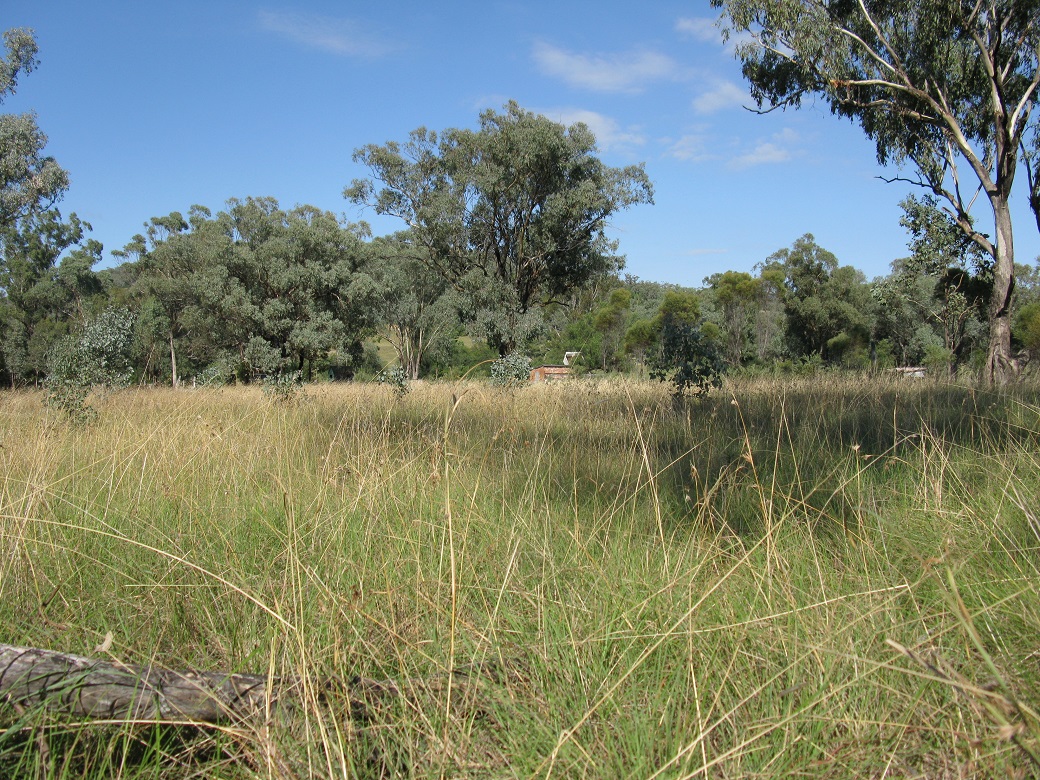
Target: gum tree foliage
{"points": [[769, 319], [640, 338], [610, 323], [1027, 283], [256, 288], [1027, 329], [736, 294], [29, 180], [686, 355], [43, 297], [414, 306], [821, 299], [513, 215], [511, 371], [305, 282], [944, 286], [905, 301], [947, 87], [166, 262], [32, 307], [97, 357]]}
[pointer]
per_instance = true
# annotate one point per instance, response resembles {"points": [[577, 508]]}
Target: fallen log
{"points": [[93, 688]]}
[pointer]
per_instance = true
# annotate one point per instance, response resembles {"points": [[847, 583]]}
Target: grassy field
{"points": [[835, 577]]}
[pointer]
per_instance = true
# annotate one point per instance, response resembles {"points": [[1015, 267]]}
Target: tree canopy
{"points": [[507, 236], [29, 180], [38, 298], [259, 289], [512, 215]]}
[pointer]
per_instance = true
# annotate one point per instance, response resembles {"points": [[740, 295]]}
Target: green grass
{"points": [[821, 578]]}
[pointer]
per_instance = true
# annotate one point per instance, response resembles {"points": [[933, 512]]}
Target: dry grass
{"points": [[567, 581]]}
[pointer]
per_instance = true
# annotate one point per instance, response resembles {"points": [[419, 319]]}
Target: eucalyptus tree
{"points": [[904, 302], [943, 286], [821, 298], [1027, 329], [513, 215], [686, 354], [1027, 283], [611, 323], [47, 288], [256, 289], [302, 281], [736, 293], [415, 311], [30, 184], [769, 319], [946, 86], [166, 259]]}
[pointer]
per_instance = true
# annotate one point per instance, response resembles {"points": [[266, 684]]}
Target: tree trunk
{"points": [[173, 361], [1000, 366], [412, 354]]}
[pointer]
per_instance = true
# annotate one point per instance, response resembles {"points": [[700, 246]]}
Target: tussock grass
{"points": [[825, 578]]}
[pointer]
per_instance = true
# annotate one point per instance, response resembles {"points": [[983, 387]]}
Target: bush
{"points": [[511, 371], [937, 359], [688, 359], [283, 388], [98, 358], [884, 355], [216, 374], [396, 379], [1027, 329]]}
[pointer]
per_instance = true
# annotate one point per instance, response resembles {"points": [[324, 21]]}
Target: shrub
{"points": [[937, 359], [396, 379], [511, 371], [216, 374], [285, 387], [1027, 329], [98, 358], [687, 358]]}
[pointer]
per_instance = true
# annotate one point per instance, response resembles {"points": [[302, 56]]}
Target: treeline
{"points": [[504, 251], [256, 290]]}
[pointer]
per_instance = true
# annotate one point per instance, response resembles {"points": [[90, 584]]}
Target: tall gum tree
{"points": [[948, 86], [30, 184], [513, 215]]}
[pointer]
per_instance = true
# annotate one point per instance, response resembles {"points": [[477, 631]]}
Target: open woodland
{"points": [[825, 577], [790, 561]]}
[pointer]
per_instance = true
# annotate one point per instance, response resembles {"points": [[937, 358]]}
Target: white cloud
{"points": [[339, 36], [700, 29], [610, 136], [606, 73], [690, 148], [702, 146], [722, 95], [777, 150], [764, 153]]}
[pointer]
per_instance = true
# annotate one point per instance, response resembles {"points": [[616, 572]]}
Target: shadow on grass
{"points": [[814, 449]]}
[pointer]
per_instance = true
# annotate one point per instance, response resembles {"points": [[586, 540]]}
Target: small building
{"points": [[550, 373], [555, 373]]}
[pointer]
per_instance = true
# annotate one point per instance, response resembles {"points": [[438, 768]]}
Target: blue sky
{"points": [[155, 107]]}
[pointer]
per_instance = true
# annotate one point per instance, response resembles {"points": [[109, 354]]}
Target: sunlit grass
{"points": [[574, 580]]}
